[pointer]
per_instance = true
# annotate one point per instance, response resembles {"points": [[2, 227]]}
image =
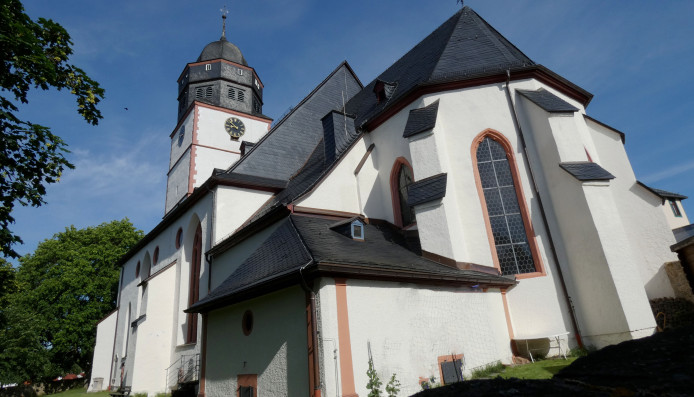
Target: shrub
{"points": [[393, 387]]}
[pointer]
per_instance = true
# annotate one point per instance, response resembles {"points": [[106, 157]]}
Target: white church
{"points": [[461, 209]]}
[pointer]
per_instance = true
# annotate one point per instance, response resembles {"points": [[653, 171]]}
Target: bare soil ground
{"points": [[660, 365]]}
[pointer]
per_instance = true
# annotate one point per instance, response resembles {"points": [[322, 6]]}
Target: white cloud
{"points": [[669, 172]]}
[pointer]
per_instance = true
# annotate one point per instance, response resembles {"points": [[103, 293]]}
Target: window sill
{"points": [[530, 275]]}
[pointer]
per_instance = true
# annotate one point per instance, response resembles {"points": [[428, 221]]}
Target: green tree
{"points": [[63, 289], [33, 54]]}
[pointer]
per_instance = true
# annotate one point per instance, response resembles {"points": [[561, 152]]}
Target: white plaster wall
{"points": [[436, 321], [153, 348], [588, 233], [339, 192], [648, 232], [389, 145], [234, 206], [276, 350], [675, 221], [207, 159], [167, 295], [103, 348], [454, 226], [177, 181]]}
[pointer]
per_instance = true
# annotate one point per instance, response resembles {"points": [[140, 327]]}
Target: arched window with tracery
{"points": [[508, 224], [401, 177], [194, 294]]}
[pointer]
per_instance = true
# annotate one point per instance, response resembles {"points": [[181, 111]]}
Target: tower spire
{"points": [[224, 12]]}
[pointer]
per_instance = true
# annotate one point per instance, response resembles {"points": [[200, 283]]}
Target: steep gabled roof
{"points": [[663, 194], [306, 247], [285, 149], [463, 47]]}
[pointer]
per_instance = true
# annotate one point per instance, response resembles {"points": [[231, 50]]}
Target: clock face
{"points": [[234, 127], [181, 135]]}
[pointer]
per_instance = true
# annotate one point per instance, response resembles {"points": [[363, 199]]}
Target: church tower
{"points": [[220, 114]]}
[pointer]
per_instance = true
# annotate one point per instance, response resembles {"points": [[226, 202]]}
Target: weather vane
{"points": [[224, 12], [461, 2]]}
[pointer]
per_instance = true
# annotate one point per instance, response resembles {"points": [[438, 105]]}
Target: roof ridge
{"points": [[458, 15], [303, 242]]}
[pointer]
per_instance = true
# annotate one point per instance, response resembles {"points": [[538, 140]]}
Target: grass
{"points": [[488, 370], [540, 369], [543, 369], [80, 392]]}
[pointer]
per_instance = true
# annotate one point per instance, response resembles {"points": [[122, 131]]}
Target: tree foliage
{"points": [[62, 290], [33, 54]]}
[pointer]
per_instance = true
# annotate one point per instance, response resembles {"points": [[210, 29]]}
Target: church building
{"points": [[459, 210]]}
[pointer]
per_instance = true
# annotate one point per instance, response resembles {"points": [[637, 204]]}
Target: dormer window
{"points": [[357, 230], [384, 90]]}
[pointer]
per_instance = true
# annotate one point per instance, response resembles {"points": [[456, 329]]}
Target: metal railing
{"points": [[184, 370]]}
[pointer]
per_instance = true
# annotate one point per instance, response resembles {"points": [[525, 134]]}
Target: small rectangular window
{"points": [[675, 208], [208, 67], [246, 391]]}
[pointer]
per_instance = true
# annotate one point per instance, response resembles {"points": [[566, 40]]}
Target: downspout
{"points": [[553, 249], [311, 297]]}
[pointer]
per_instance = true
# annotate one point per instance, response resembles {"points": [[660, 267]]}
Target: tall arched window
{"points": [[194, 294], [401, 177], [507, 218]]}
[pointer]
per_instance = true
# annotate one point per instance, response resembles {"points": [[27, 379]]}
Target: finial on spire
{"points": [[224, 12], [461, 2]]}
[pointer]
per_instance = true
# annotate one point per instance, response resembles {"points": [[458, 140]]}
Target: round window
{"points": [[247, 322]]}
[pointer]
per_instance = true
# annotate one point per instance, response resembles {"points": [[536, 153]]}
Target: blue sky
{"points": [[636, 58]]}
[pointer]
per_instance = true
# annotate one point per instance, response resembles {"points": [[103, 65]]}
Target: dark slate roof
{"points": [[308, 243], [683, 233], [421, 120], [586, 171], [463, 47], [222, 49], [286, 148], [663, 194], [249, 180], [426, 190], [548, 101]]}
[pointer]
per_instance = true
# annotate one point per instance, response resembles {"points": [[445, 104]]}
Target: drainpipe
{"points": [[311, 297], [553, 249]]}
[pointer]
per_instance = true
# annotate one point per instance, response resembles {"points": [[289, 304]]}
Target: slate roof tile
{"points": [[586, 171], [421, 120], [303, 241], [663, 194], [548, 101], [463, 47], [427, 189], [285, 149]]}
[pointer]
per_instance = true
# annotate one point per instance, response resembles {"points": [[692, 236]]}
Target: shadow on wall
{"points": [[275, 350]]}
